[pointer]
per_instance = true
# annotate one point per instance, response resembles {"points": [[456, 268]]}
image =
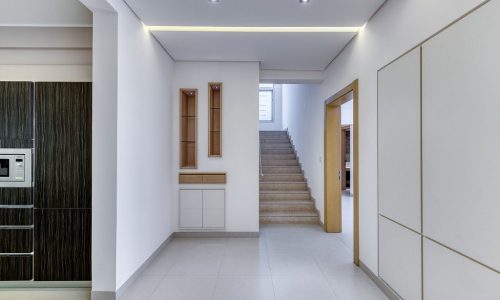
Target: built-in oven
{"points": [[15, 168]]}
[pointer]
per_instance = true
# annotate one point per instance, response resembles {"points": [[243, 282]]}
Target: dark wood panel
{"points": [[16, 240], [16, 110], [16, 196], [62, 244], [63, 145], [16, 143], [16, 268], [16, 216]]}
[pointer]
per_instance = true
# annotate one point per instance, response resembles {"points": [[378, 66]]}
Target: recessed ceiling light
{"points": [[214, 1], [303, 1], [253, 29]]}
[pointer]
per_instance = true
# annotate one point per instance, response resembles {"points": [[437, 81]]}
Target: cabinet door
{"points": [[63, 149], [16, 268], [213, 208], [400, 259], [399, 140], [190, 208], [62, 244], [461, 144], [16, 113]]}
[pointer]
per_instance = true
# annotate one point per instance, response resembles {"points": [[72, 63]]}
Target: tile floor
{"points": [[347, 218], [286, 262]]}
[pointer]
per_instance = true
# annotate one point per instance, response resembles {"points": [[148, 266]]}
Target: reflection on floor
{"points": [[285, 262], [347, 219]]}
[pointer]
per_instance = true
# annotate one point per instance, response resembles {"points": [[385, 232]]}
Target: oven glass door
{"points": [[4, 167]]}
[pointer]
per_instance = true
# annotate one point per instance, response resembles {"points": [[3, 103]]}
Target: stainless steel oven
{"points": [[15, 168]]}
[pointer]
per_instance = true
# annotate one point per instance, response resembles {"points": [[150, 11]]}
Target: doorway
{"points": [[336, 165]]}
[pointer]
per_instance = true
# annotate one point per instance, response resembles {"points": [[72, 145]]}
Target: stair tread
{"points": [[284, 192], [285, 202], [291, 213]]}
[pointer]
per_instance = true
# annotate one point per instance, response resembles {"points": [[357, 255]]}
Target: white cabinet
{"points": [[461, 144], [399, 140], [201, 208], [449, 275], [400, 259], [191, 208]]}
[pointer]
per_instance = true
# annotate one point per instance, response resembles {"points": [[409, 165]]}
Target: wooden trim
{"points": [[336, 101], [202, 178]]}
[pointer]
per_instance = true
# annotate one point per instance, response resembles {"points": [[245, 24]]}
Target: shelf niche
{"points": [[215, 119], [188, 128]]}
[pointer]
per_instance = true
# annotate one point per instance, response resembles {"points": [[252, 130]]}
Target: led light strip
{"points": [[253, 29]]}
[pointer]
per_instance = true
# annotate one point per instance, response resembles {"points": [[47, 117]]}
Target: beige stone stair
{"points": [[284, 194]]}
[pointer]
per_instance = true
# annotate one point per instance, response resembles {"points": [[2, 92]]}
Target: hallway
{"points": [[285, 262]]}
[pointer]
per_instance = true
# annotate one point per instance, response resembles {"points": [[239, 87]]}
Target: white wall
{"points": [[396, 28], [240, 134], [145, 110], [277, 123], [138, 192]]}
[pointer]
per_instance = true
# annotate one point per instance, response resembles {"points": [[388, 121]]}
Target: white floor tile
{"points": [[142, 288], [244, 288], [302, 288], [292, 262], [245, 262], [185, 288], [351, 283]]}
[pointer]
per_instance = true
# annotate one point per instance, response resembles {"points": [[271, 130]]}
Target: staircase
{"points": [[284, 195]]}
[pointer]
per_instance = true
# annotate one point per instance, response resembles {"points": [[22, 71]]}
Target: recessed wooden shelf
{"points": [[188, 128], [202, 178], [215, 119]]}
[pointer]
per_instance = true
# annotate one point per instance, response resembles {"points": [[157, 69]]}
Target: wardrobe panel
{"points": [[399, 140], [16, 196], [16, 110], [400, 259], [16, 241], [63, 145], [461, 144], [62, 244], [449, 275]]}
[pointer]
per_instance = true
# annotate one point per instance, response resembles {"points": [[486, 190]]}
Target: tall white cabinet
{"points": [[439, 164]]}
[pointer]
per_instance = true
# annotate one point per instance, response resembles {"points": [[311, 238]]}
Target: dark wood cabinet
{"points": [[63, 145], [16, 111], [16, 268], [16, 216], [62, 244], [16, 241], [16, 196]]}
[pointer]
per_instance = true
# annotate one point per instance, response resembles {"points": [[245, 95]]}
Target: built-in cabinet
{"points": [[202, 207], [45, 231], [439, 166]]}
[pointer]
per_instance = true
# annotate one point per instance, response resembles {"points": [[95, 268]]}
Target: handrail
{"points": [[260, 160]]}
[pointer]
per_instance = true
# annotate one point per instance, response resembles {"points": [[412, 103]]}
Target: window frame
{"points": [[267, 89]]}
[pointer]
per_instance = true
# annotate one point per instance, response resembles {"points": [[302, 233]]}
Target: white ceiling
{"points": [[286, 51], [51, 13]]}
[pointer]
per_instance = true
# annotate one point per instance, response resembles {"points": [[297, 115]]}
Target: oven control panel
{"points": [[19, 168]]}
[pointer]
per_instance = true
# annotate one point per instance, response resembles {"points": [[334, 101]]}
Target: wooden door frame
{"points": [[337, 100]]}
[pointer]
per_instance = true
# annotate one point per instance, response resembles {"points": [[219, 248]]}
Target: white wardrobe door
{"points": [[461, 136], [448, 275], [213, 208], [190, 208], [399, 140], [400, 259]]}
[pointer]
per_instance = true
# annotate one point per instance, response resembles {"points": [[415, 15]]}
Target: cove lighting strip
{"points": [[253, 29]]}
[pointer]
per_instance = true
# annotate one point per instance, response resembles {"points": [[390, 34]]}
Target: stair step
{"points": [[279, 162], [281, 170], [283, 186], [276, 146], [284, 196], [277, 151], [299, 217], [276, 206], [278, 156], [282, 177]]}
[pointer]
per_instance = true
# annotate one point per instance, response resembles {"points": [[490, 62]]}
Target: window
{"points": [[266, 103]]}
